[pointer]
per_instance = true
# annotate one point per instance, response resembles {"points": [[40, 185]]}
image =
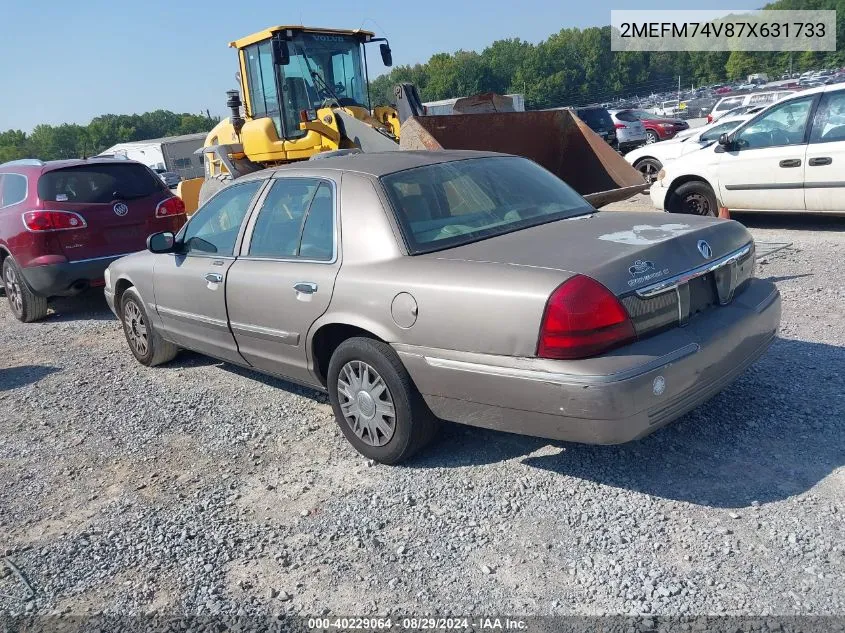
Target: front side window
{"points": [[829, 122], [213, 229], [285, 224], [447, 204], [13, 189], [782, 124]]}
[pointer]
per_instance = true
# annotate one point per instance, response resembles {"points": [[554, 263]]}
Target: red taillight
{"points": [[170, 207], [621, 126], [710, 118], [583, 318], [41, 220]]}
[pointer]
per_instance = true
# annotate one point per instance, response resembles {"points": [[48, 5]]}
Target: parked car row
{"points": [[350, 274], [788, 157]]}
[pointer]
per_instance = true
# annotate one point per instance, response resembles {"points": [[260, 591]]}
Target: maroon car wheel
{"points": [[24, 303]]}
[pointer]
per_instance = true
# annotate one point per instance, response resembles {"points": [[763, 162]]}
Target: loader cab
{"points": [[288, 73]]}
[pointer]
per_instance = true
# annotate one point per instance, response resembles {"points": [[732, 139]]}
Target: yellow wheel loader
{"points": [[306, 92]]}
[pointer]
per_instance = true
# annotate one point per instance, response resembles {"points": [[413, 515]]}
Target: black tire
{"points": [[694, 198], [24, 303], [137, 326], [413, 426], [210, 186], [648, 167], [651, 137]]}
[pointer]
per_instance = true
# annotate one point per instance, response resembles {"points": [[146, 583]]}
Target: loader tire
{"points": [[210, 186]]}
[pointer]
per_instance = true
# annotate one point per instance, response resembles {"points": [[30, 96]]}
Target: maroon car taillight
{"points": [[46, 220], [582, 319], [170, 207], [620, 126]]}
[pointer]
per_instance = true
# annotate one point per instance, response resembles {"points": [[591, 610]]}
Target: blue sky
{"points": [[68, 61]]}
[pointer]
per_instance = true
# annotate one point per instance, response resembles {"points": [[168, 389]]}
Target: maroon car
{"points": [[659, 128], [63, 222]]}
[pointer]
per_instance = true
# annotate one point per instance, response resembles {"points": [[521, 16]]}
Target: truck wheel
{"points": [[210, 186], [25, 304], [651, 137], [375, 402], [146, 344], [648, 167], [694, 198]]}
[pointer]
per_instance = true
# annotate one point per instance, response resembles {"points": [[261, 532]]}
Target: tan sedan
{"points": [[466, 286]]}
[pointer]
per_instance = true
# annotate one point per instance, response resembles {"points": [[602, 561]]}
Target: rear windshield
{"points": [[627, 116], [595, 117], [98, 183], [449, 204]]}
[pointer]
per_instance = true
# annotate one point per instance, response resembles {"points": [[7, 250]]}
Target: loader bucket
{"points": [[556, 139]]}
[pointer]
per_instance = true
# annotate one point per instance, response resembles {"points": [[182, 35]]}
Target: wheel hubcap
{"points": [[650, 138], [13, 290], [136, 329], [366, 403]]}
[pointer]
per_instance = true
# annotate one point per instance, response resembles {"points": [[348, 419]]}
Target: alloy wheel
{"points": [[13, 290], [649, 172], [366, 403], [136, 328]]}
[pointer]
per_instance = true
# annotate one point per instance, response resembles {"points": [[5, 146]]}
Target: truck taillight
{"points": [[582, 319], [46, 220], [170, 207]]}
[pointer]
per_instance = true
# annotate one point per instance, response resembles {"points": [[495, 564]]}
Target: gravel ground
{"points": [[202, 488]]}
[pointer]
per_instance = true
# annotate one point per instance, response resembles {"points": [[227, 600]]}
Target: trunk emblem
{"points": [[640, 267], [658, 386], [121, 210], [704, 249]]}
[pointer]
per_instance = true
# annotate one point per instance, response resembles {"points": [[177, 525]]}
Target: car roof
{"points": [[379, 164], [30, 166]]}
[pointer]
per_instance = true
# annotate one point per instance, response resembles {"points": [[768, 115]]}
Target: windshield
{"points": [[323, 68], [596, 118], [448, 204], [642, 114]]}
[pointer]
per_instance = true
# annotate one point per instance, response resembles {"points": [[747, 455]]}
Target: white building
{"points": [[171, 153]]}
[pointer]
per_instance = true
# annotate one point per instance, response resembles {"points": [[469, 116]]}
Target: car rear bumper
{"points": [[663, 377], [68, 278]]}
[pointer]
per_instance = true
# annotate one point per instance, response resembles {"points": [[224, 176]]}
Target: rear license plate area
{"points": [[702, 294]]}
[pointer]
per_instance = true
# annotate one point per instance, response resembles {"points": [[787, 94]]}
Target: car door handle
{"points": [[821, 160], [306, 287], [791, 162], [214, 278]]}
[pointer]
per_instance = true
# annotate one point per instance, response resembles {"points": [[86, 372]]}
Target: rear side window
{"points": [[92, 184], [13, 189], [295, 220], [829, 122]]}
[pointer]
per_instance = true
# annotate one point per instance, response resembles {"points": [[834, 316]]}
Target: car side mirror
{"points": [[724, 139], [281, 55], [386, 54], [164, 242]]}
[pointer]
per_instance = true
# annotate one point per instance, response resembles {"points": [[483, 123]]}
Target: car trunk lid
{"points": [[624, 251], [117, 201]]}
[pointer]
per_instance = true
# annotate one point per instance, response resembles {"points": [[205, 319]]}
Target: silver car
{"points": [[467, 286], [630, 131]]}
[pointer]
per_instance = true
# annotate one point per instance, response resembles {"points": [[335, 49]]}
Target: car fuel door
{"points": [[284, 279]]}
